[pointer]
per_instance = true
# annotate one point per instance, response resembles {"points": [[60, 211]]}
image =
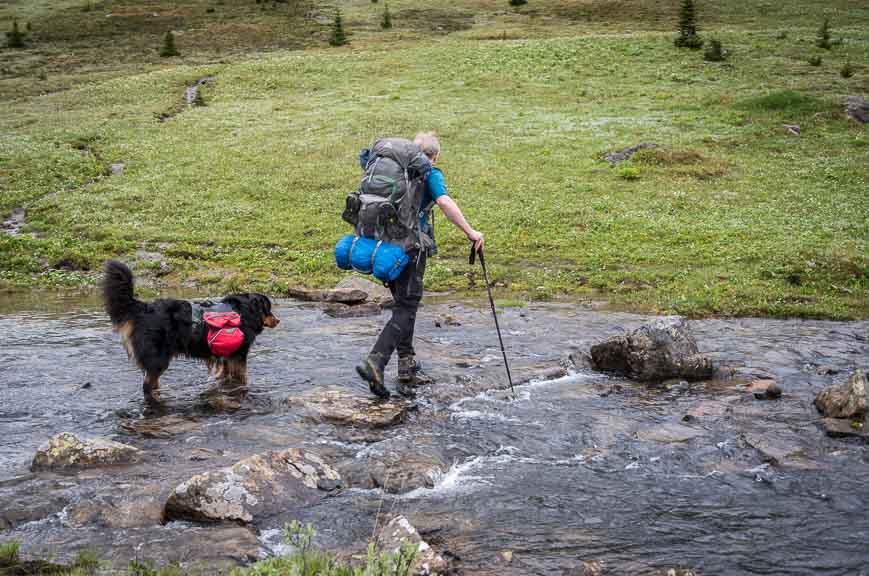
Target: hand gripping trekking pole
{"points": [[495, 314]]}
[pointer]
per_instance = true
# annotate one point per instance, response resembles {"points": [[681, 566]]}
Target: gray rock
{"points": [[774, 449], [377, 293], [161, 427], [340, 296], [68, 451], [342, 406], [857, 108], [625, 154], [653, 353], [399, 531], [338, 310], [118, 509], [845, 400], [254, 488]]}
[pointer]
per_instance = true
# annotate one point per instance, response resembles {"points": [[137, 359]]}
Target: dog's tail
{"points": [[118, 292]]}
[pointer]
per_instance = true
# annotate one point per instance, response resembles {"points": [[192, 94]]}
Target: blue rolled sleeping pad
{"points": [[369, 256]]}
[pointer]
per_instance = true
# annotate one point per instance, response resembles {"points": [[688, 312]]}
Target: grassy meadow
{"points": [[731, 215]]}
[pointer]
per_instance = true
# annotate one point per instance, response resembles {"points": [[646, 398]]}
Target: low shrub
{"points": [[714, 52], [815, 61], [847, 70]]}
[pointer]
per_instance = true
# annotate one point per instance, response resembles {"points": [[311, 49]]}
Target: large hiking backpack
{"points": [[387, 205]]}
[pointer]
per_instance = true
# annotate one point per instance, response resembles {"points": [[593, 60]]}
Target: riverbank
{"points": [[733, 214]]}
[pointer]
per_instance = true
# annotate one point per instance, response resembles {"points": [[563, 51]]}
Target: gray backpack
{"points": [[387, 205]]}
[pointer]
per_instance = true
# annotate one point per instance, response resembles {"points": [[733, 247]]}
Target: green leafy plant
{"points": [[386, 23], [15, 37], [169, 50], [823, 40], [714, 52], [338, 36], [627, 172], [847, 70], [688, 37]]}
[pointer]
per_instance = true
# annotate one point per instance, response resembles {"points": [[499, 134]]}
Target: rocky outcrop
{"points": [[845, 400], [625, 154], [857, 108], [342, 406], [399, 531], [67, 451], [653, 353], [254, 488]]}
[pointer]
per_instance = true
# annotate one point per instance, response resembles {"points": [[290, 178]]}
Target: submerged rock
{"points": [[254, 488], [669, 433], [119, 509], [342, 406], [162, 427], [775, 449], [399, 531], [843, 428], [69, 451], [376, 293], [653, 353], [845, 400], [341, 296], [397, 465]]}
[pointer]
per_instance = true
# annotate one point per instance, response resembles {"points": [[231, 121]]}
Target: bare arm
{"points": [[454, 214]]}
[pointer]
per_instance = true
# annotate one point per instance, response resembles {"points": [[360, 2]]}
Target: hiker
{"points": [[408, 287]]}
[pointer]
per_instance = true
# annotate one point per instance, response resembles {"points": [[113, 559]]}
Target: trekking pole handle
{"points": [[473, 256]]}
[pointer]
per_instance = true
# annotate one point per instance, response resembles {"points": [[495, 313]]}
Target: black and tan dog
{"points": [[155, 332]]}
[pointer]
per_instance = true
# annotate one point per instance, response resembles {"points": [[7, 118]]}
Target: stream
{"points": [[579, 468]]}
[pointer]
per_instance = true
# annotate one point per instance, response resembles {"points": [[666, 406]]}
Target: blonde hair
{"points": [[428, 143]]}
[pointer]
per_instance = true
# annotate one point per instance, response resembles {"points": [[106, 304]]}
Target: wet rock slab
{"points": [[845, 400], [162, 427], [341, 406], [843, 428], [119, 508], [669, 433], [376, 293], [655, 352], [777, 447], [67, 451], [254, 488], [400, 532]]}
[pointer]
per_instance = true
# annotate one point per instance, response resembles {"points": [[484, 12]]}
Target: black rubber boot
{"points": [[371, 372], [407, 369]]}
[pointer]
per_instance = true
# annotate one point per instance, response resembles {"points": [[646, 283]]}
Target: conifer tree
{"points": [[168, 50], [338, 37], [15, 37], [688, 37], [518, 2], [824, 35], [386, 23]]}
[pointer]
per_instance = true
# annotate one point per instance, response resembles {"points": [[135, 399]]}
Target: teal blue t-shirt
{"points": [[435, 187]]}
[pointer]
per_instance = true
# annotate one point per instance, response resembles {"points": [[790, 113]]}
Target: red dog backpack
{"points": [[224, 334]]}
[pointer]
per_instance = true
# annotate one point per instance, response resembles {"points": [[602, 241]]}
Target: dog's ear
{"points": [[265, 305]]}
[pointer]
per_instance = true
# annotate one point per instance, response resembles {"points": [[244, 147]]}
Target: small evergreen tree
{"points": [[824, 35], [847, 70], [168, 50], [688, 37], [15, 37], [518, 2], [386, 23], [338, 37], [714, 53]]}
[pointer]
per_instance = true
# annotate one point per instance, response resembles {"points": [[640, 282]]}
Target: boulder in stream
{"points": [[342, 406], [397, 465], [400, 531], [376, 293], [654, 352], [846, 400], [68, 451], [842, 428], [254, 488]]}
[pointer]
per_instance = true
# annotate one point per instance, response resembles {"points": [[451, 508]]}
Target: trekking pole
{"points": [[494, 314]]}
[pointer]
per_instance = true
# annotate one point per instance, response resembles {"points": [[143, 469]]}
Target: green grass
{"points": [[731, 216]]}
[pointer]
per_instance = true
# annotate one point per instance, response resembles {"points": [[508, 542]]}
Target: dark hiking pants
{"points": [[398, 332]]}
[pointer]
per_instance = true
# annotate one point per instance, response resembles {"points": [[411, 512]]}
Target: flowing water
{"points": [[582, 468]]}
